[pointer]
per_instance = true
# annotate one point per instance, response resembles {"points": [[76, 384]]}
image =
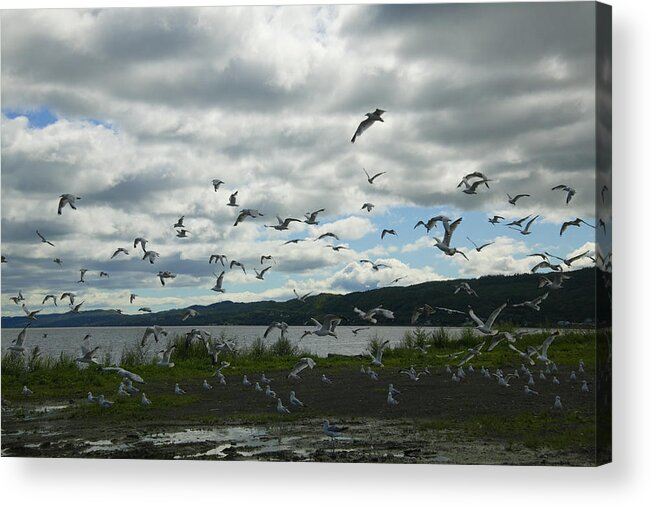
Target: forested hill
{"points": [[575, 302]]}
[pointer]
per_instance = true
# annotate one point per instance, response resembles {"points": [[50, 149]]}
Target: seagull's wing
{"points": [[484, 245], [577, 257], [494, 315], [547, 343], [475, 317]]}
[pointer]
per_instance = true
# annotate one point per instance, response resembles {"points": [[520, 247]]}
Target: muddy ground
{"points": [[436, 421]]}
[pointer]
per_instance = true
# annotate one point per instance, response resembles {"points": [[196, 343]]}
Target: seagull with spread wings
{"points": [[576, 222], [479, 248], [570, 191], [217, 258], [118, 251], [371, 117], [514, 200], [370, 178], [327, 328], [283, 224], [369, 315], [43, 239], [301, 365], [311, 217], [485, 328], [67, 199], [533, 304], [260, 274], [569, 261], [218, 283]]}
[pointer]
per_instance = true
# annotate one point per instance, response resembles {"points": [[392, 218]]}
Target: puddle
{"points": [[104, 445]]}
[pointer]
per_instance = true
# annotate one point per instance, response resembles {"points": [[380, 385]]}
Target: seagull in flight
{"points": [[293, 241], [217, 258], [356, 331], [465, 180], [216, 183], [260, 274], [388, 232], [142, 241], [53, 297], [576, 222], [282, 326], [327, 234], [569, 261], [179, 223], [570, 191], [75, 308], [145, 309], [18, 344], [71, 297], [67, 199], [43, 239], [328, 327], [495, 219], [189, 313], [514, 200], [372, 179], [238, 264], [533, 304], [369, 315], [301, 365], [155, 331], [371, 117], [472, 353], [118, 251], [485, 328], [301, 298], [166, 354], [247, 213], [81, 277], [479, 248], [444, 245], [425, 310], [518, 223], [374, 266], [151, 255], [123, 373], [368, 206], [283, 224], [232, 200], [163, 275], [58, 261], [471, 189], [376, 359], [465, 287], [337, 248], [525, 230], [218, 283], [429, 225], [182, 233], [311, 217]]}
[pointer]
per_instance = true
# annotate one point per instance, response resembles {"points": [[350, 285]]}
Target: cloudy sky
{"points": [[137, 110]]}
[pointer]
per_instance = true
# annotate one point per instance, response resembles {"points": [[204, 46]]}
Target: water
{"points": [[114, 339]]}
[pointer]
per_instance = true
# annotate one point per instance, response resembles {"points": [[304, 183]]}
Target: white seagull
{"points": [[485, 328], [67, 199]]}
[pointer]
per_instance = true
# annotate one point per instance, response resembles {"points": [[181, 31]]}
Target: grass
{"points": [[567, 430], [62, 378]]}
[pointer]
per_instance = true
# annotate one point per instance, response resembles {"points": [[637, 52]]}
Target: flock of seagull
{"points": [[472, 183]]}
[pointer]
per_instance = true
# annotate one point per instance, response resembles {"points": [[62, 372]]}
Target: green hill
{"points": [[575, 302]]}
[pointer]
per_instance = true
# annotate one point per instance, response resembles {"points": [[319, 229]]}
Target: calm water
{"points": [[114, 339]]}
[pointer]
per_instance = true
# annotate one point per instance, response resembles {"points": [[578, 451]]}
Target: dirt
{"points": [[232, 422]]}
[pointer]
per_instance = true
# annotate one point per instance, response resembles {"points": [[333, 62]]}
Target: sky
{"points": [[137, 111]]}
